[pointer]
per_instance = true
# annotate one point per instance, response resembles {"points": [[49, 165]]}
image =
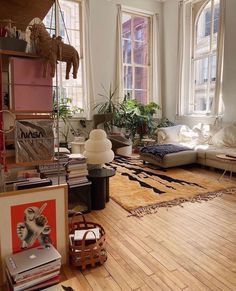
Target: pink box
{"points": [[30, 91]]}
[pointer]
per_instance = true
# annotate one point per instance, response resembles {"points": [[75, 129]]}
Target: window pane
{"points": [[203, 31], [140, 53], [201, 71], [141, 78], [69, 24], [141, 96], [127, 51], [213, 68], [126, 26], [140, 28], [216, 24], [128, 78]]}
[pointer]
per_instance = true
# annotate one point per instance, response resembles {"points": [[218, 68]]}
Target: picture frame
{"points": [[47, 205], [34, 140]]}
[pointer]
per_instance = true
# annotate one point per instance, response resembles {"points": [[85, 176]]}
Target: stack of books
{"points": [[54, 171], [33, 269], [32, 183], [76, 170]]}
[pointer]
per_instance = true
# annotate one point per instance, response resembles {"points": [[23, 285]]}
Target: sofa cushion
{"points": [[169, 134], [225, 137]]}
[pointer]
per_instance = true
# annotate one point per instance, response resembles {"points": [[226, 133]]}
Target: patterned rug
{"points": [[142, 190]]}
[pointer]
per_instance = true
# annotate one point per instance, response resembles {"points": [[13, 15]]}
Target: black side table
{"points": [[100, 186]]}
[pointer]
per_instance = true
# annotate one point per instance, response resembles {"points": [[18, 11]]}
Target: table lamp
{"points": [[98, 149]]}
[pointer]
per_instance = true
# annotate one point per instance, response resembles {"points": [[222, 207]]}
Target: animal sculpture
{"points": [[53, 49]]}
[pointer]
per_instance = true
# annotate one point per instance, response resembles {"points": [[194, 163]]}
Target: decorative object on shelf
{"points": [[11, 38], [98, 149], [12, 208], [83, 252], [34, 140], [10, 125], [53, 50]]}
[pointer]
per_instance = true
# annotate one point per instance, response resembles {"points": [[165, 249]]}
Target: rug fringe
{"points": [[150, 209]]}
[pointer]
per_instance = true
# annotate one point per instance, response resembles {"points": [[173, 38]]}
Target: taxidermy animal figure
{"points": [[53, 50]]}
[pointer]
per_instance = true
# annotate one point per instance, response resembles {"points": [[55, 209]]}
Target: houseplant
{"points": [[109, 105], [135, 117], [65, 112]]}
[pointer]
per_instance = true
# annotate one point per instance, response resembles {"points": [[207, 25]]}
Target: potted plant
{"points": [[135, 117], [108, 106], [65, 112]]}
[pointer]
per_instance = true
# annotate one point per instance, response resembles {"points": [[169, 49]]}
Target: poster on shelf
{"points": [[31, 217], [34, 140]]}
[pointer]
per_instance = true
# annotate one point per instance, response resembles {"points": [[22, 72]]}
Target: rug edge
{"points": [[153, 208]]}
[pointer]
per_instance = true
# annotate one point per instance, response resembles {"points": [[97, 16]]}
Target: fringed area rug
{"points": [[142, 190]]}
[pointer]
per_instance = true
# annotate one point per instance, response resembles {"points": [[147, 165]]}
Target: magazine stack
{"points": [[53, 171], [33, 269], [76, 170]]}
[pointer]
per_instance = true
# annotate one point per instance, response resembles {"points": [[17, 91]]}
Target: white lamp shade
{"points": [[98, 148]]}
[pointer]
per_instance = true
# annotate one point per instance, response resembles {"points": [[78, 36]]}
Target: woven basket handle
{"points": [[76, 214], [85, 235]]}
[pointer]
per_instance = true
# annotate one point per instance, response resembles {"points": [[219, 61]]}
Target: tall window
{"points": [[204, 57], [69, 28], [136, 56], [201, 42]]}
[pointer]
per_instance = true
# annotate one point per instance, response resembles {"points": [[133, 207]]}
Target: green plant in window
{"points": [[65, 111], [135, 117]]}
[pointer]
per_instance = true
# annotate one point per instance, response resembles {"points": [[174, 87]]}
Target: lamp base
{"points": [[94, 166]]}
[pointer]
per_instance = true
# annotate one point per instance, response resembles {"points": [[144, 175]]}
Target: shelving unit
{"points": [[9, 163]]}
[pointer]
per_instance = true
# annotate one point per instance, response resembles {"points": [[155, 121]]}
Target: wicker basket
{"points": [[87, 252]]}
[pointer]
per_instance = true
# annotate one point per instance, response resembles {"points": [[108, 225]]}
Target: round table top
{"points": [[101, 173], [225, 157]]}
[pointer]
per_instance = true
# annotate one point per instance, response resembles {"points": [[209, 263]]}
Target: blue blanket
{"points": [[159, 151]]}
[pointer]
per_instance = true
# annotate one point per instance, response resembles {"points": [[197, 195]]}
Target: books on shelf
{"points": [[76, 170], [33, 268], [32, 183]]}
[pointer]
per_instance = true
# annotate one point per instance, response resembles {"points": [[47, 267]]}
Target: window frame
{"points": [[188, 10], [133, 65], [208, 55]]}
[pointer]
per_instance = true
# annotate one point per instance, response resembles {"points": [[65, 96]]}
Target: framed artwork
{"points": [[34, 140], [33, 217]]}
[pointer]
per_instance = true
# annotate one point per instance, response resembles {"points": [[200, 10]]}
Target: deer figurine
{"points": [[53, 50]]}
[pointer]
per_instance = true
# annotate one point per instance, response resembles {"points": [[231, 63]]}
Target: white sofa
{"points": [[204, 145]]}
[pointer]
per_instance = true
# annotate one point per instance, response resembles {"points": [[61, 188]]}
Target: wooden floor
{"points": [[189, 248]]}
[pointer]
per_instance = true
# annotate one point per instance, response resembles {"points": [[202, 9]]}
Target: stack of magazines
{"points": [[33, 269], [76, 170], [54, 171]]}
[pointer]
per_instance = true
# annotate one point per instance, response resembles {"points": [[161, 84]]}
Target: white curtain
{"points": [[155, 91], [119, 56], [86, 60], [180, 58], [220, 59]]}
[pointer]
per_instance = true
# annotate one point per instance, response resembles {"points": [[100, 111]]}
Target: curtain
{"points": [[220, 58], [86, 60], [180, 58], [156, 64], [119, 56]]}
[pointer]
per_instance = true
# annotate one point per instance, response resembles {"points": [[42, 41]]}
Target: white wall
{"points": [[170, 24], [103, 37]]}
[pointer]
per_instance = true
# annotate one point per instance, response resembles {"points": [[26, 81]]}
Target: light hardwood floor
{"points": [[182, 248]]}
